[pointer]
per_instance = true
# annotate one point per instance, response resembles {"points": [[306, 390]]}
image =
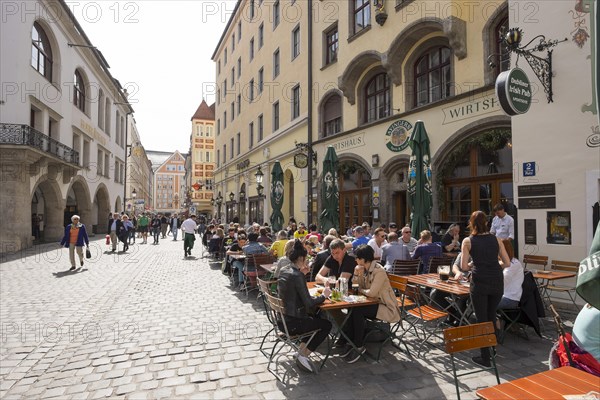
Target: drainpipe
{"points": [[310, 113]]}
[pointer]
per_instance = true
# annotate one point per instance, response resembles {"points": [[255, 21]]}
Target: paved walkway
{"points": [[151, 324]]}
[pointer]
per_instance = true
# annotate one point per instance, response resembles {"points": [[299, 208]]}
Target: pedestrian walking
{"points": [[74, 238], [143, 223], [174, 226], [156, 226], [114, 226], [164, 224], [133, 229], [123, 233], [188, 227]]}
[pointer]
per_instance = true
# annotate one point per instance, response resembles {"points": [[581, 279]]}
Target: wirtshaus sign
{"points": [[396, 137], [514, 91]]}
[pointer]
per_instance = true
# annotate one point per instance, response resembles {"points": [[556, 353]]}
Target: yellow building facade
{"points": [[202, 159]]}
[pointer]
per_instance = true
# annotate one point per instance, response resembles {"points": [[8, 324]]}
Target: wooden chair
{"points": [[435, 262], [405, 267], [283, 337], [470, 337], [251, 270], [539, 261], [426, 317], [566, 266]]}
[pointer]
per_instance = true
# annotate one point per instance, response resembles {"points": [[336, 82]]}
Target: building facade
{"points": [[202, 158], [140, 176], [169, 188], [63, 118]]}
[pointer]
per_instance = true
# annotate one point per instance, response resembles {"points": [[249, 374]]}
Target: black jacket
{"points": [[531, 303], [292, 289], [318, 262]]}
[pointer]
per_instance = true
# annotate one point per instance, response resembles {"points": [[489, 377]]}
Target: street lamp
{"points": [[231, 196], [242, 196], [133, 194], [259, 179], [219, 202]]}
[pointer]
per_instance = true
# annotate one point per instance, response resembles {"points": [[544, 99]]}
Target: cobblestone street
{"points": [[151, 324]]}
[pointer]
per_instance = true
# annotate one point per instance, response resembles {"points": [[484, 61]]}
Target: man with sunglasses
{"points": [[408, 240]]}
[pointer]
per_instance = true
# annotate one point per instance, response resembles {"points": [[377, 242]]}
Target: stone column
{"points": [[15, 202]]}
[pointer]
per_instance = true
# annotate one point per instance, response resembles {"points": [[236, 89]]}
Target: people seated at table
{"points": [[235, 248], [450, 240], [439, 298], [487, 280], [425, 250], [284, 261], [291, 229], [333, 232], [313, 231], [359, 238], [513, 279], [378, 241], [230, 238], [278, 245], [586, 332], [408, 240], [321, 256], [392, 251], [297, 303], [263, 238], [339, 264], [253, 247], [373, 282]]}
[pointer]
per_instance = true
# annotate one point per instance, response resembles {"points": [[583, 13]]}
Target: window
{"points": [[275, 116], [296, 42], [218, 157], [41, 52], [218, 67], [332, 115], [261, 80], [362, 15], [107, 112], [232, 76], [207, 156], [260, 127], [296, 102], [225, 56], [239, 65], [100, 109], [232, 110], [377, 98], [250, 135], [252, 9], [432, 76], [232, 43], [261, 35], [251, 49], [224, 153], [99, 163], [239, 104], [218, 127], [276, 11], [239, 31], [251, 91], [239, 141], [225, 88], [231, 144], [501, 65], [276, 64], [79, 91], [224, 119], [331, 45], [218, 96]]}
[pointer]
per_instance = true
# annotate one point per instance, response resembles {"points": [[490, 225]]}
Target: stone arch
{"points": [[393, 184], [101, 209], [118, 204], [403, 44], [54, 205], [353, 72], [83, 200], [361, 89]]}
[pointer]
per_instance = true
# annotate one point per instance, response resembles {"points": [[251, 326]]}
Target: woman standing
{"points": [[74, 238], [156, 225], [373, 282], [293, 291], [487, 280]]}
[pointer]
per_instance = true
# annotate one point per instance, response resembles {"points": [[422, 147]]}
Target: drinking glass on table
{"points": [[332, 280]]}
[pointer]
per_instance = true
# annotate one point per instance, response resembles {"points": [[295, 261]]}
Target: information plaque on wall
{"points": [[530, 231]]}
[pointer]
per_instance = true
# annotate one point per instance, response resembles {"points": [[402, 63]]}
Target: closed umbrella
{"points": [[330, 197], [419, 180], [276, 197]]}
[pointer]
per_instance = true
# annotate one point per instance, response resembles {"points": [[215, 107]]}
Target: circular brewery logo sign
{"points": [[397, 135], [514, 91]]}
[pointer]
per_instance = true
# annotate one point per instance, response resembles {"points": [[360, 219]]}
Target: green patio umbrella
{"points": [[276, 197], [330, 197], [419, 180]]}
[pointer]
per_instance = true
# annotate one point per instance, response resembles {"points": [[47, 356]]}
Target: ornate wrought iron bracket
{"points": [[304, 147]]}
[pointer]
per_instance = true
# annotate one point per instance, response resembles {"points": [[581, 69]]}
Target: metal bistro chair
{"points": [[405, 267], [267, 287], [251, 270], [435, 262], [471, 337], [282, 335], [566, 266], [539, 261]]}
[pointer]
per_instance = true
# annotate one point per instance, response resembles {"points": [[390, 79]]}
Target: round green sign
{"points": [[397, 135], [514, 91]]}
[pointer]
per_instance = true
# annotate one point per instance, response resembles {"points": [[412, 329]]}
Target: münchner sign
{"points": [[514, 91]]}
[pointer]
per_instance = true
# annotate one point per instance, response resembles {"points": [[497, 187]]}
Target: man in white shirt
{"points": [[377, 242], [408, 240], [189, 228], [503, 225]]}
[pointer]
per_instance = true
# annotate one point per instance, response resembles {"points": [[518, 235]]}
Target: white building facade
{"points": [[62, 127]]}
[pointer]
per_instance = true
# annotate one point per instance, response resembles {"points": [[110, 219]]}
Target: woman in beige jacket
{"points": [[373, 282]]}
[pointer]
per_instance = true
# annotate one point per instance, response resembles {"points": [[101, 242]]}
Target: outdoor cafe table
{"points": [[331, 307], [455, 289], [552, 384], [543, 278], [269, 268]]}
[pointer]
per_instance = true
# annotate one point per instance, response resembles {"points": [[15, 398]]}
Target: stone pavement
{"points": [[151, 324]]}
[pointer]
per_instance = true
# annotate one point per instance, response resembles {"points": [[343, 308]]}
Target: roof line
{"points": [[237, 5]]}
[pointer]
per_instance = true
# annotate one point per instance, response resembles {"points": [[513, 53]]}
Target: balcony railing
{"points": [[26, 135]]}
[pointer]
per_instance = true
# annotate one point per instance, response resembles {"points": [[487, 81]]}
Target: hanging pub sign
{"points": [[396, 137], [301, 160], [514, 91]]}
